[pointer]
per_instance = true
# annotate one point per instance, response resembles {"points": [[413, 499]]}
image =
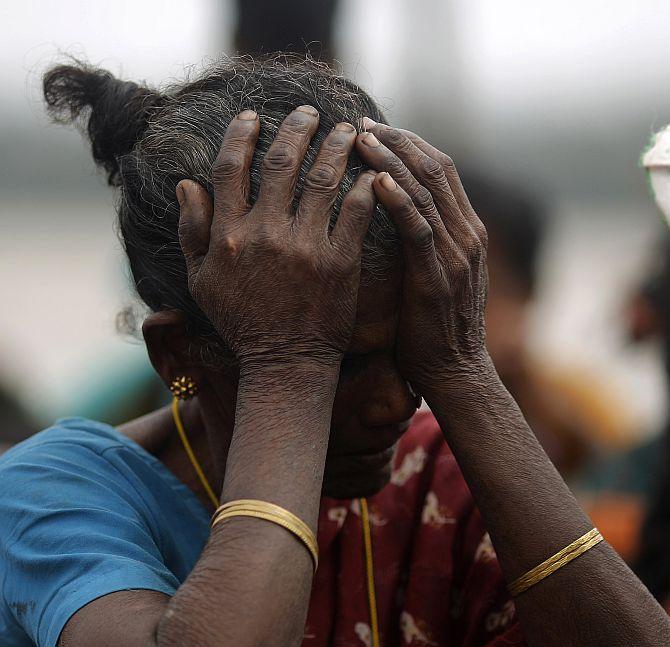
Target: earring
{"points": [[183, 388]]}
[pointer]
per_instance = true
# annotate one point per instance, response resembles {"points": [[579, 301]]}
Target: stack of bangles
{"points": [[551, 565], [273, 513]]}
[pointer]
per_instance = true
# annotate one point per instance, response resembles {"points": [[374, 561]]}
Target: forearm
{"points": [[531, 514], [252, 583]]}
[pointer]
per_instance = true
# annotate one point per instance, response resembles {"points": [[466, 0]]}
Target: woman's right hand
{"points": [[272, 279]]}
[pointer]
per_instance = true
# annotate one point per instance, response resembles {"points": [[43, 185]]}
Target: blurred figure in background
{"points": [[15, 422], [569, 412], [298, 26], [650, 319]]}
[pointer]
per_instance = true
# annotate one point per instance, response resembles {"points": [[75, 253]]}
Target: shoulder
{"points": [[69, 446], [79, 521], [75, 463], [73, 449], [69, 436]]}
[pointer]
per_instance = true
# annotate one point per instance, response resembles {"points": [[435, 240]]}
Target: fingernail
{"points": [[368, 123], [344, 127], [181, 194], [370, 140], [310, 110], [387, 182], [248, 115]]}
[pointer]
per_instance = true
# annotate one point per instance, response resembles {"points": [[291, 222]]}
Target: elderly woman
{"points": [[306, 284]]}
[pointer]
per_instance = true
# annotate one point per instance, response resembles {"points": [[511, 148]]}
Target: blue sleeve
{"points": [[72, 530]]}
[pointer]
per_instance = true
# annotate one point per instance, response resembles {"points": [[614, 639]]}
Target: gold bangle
{"points": [[551, 565], [264, 506], [275, 514]]}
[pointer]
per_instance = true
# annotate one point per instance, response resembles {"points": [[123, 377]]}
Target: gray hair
{"points": [[148, 140]]}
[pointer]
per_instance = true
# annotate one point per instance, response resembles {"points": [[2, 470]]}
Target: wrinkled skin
{"points": [[275, 283], [297, 391], [445, 282], [406, 328]]}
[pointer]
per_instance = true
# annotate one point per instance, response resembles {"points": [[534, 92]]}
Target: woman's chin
{"points": [[354, 485]]}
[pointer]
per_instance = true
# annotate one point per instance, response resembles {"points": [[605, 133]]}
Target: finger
{"points": [[230, 172], [281, 163], [454, 180], [380, 158], [195, 223], [415, 232], [356, 212], [322, 183], [430, 173]]}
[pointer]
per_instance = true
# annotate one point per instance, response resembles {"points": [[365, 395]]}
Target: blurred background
{"points": [[545, 106]]}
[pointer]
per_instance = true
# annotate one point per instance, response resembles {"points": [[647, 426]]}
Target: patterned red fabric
{"points": [[437, 578]]}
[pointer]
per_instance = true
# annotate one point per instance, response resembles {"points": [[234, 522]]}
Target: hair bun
{"points": [[118, 112]]}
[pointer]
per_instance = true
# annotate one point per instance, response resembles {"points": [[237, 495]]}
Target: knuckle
{"points": [[228, 164], [447, 163], [474, 248], [302, 252], [281, 156], [227, 245], [406, 205], [396, 168], [423, 235], [460, 266], [431, 169], [262, 243], [394, 138], [359, 203], [337, 143], [298, 122], [482, 233], [423, 199], [323, 177]]}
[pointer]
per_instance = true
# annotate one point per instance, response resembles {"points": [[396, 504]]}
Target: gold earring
{"points": [[183, 387]]}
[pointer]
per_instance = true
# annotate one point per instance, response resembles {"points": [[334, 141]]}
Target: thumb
{"points": [[195, 221]]}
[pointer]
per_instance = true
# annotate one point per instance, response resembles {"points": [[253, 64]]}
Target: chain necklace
{"points": [[365, 522]]}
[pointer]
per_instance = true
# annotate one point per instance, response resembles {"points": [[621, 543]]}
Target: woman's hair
{"points": [[147, 141]]}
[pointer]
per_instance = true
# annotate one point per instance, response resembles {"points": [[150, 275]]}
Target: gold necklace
{"points": [[365, 522], [191, 455]]}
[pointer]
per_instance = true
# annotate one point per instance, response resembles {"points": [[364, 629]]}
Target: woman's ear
{"points": [[169, 345]]}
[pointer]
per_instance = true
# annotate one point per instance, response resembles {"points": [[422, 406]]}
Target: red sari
{"points": [[437, 578]]}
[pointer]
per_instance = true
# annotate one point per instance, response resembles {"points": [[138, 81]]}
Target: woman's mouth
{"points": [[368, 460], [355, 467]]}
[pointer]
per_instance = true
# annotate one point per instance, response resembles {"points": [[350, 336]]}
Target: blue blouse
{"points": [[85, 511]]}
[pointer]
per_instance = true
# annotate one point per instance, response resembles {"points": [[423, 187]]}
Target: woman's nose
{"points": [[386, 396]]}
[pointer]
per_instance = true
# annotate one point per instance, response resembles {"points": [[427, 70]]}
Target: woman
{"points": [[279, 299]]}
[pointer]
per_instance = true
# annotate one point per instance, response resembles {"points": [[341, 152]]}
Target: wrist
{"points": [[290, 360], [459, 380], [299, 390], [289, 373], [282, 428]]}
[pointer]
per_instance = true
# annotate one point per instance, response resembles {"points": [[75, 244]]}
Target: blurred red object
{"points": [[619, 518]]}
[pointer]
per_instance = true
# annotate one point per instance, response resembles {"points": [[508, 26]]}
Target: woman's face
{"points": [[373, 403]]}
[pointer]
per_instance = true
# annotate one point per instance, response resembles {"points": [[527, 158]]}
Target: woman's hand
{"points": [[273, 281], [528, 510], [441, 332]]}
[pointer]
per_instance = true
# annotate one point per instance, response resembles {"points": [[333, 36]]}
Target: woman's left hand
{"points": [[441, 331]]}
